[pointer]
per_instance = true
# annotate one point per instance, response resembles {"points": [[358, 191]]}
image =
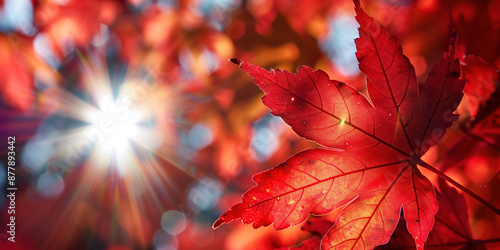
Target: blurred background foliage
{"points": [[207, 131]]}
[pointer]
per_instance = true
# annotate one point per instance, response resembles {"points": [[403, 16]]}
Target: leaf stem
{"points": [[487, 241], [494, 177], [459, 186]]}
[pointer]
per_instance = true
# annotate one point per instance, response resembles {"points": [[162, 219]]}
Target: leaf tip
{"points": [[217, 223], [361, 15], [453, 42], [419, 244], [235, 61]]}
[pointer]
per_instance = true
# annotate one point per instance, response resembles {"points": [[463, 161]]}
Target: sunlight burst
{"points": [[121, 122]]}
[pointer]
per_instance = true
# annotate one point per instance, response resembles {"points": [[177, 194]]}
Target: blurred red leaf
{"points": [[480, 79], [73, 23], [394, 132], [17, 83], [311, 243], [481, 95], [318, 226], [18, 67]]}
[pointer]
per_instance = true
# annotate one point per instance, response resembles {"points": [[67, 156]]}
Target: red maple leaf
{"points": [[378, 144], [451, 230], [481, 98], [480, 78]]}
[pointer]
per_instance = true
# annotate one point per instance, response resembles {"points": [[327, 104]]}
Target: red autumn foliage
{"points": [[212, 132], [451, 230], [380, 144], [480, 79]]}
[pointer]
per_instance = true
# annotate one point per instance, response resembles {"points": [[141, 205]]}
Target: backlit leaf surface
{"points": [[376, 145], [451, 230]]}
